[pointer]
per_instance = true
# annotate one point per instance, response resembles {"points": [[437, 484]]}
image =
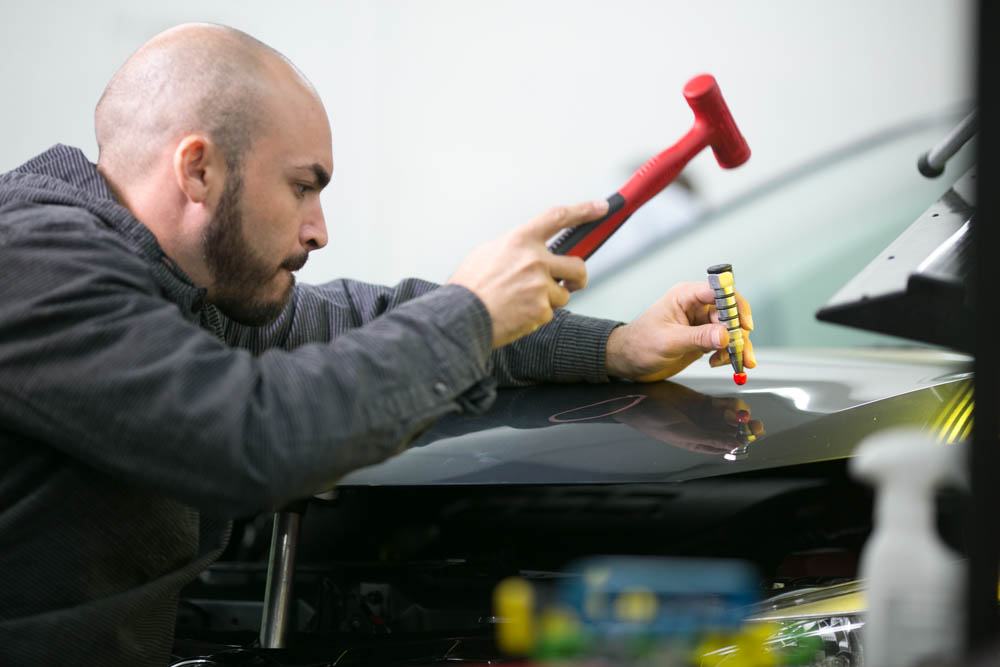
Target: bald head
{"points": [[194, 78], [220, 147]]}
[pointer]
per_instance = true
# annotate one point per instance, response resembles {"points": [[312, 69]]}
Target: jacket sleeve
{"points": [[570, 348], [318, 313], [94, 362]]}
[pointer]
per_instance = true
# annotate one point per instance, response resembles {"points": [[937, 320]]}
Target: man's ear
{"points": [[198, 168]]}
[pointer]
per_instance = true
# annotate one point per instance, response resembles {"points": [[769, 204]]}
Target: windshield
{"points": [[794, 242]]}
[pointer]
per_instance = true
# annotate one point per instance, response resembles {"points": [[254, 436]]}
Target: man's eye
{"points": [[301, 189]]}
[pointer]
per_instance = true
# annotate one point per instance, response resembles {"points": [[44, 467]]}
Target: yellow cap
{"points": [[514, 607]]}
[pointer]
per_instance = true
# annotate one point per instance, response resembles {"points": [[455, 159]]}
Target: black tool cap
{"points": [[720, 268]]}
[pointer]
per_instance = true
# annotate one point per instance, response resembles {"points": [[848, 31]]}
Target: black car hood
{"points": [[803, 406]]}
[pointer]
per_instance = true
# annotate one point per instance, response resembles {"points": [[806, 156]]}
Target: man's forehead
{"points": [[295, 151], [298, 134]]}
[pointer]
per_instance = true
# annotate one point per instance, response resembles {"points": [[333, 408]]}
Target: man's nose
{"points": [[312, 234]]}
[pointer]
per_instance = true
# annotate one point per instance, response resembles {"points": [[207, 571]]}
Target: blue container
{"points": [[632, 597]]}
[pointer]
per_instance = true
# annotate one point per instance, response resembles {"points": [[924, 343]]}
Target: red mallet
{"points": [[713, 126]]}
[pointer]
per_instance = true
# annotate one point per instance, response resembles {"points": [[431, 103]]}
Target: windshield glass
{"points": [[795, 241]]}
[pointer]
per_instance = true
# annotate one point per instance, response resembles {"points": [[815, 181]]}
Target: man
{"points": [[161, 372]]}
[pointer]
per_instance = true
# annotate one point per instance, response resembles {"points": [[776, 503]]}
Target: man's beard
{"points": [[240, 274]]}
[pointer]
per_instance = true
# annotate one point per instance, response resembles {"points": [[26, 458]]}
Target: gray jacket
{"points": [[136, 420]]}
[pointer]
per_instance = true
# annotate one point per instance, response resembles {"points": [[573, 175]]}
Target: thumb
{"points": [[706, 337]]}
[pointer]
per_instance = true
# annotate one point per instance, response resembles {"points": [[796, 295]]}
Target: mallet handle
{"points": [[584, 240]]}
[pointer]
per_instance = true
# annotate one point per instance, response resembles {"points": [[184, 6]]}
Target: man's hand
{"points": [[674, 332], [518, 279]]}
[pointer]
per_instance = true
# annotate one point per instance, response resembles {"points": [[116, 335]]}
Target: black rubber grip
{"points": [[571, 236]]}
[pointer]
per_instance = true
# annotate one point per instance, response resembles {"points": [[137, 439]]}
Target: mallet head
{"points": [[710, 111]]}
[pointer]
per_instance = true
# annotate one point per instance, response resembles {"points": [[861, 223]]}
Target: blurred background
{"points": [[454, 121]]}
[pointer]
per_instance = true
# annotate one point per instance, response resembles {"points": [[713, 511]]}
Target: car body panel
{"points": [[813, 405]]}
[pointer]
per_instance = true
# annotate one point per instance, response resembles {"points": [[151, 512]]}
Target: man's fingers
{"points": [[572, 271], [697, 300], [560, 217], [558, 296], [743, 308], [749, 358], [721, 357], [706, 337], [703, 293], [518, 280], [706, 295]]}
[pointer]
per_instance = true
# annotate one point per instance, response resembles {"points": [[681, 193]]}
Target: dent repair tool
{"points": [[713, 126], [720, 278]]}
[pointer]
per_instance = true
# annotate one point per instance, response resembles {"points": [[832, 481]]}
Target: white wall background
{"points": [[454, 120]]}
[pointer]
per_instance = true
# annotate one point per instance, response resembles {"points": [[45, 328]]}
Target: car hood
{"points": [[799, 406]]}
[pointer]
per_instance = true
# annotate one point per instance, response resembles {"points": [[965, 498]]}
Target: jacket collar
{"points": [[63, 175]]}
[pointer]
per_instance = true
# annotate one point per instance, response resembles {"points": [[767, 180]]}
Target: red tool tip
{"points": [[740, 378], [743, 416]]}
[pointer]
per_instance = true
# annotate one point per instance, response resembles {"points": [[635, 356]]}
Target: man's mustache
{"points": [[295, 262]]}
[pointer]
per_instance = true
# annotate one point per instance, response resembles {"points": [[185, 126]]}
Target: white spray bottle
{"points": [[915, 583]]}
